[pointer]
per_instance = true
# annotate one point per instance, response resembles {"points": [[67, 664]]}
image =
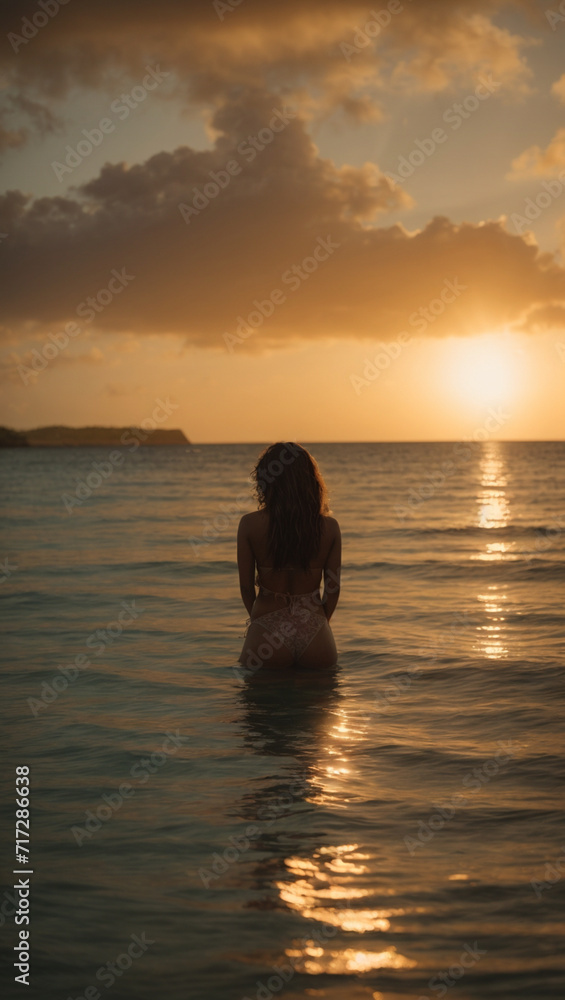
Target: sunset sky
{"points": [[189, 165]]}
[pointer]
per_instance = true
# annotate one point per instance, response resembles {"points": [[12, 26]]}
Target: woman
{"points": [[292, 541]]}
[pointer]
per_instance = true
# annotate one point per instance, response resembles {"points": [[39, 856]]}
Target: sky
{"points": [[301, 221]]}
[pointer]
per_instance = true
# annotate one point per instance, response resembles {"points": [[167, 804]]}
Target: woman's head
{"points": [[290, 487]]}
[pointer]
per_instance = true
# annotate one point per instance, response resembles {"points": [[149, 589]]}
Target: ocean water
{"points": [[390, 830]]}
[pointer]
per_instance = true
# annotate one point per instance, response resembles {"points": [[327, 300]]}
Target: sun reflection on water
{"points": [[333, 780], [316, 960], [329, 886], [325, 879], [491, 635], [494, 509], [494, 512]]}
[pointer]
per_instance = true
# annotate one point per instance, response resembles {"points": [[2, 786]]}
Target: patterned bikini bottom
{"points": [[295, 625]]}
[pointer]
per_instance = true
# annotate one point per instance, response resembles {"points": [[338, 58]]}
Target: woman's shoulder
{"points": [[329, 520], [331, 524], [256, 517], [252, 518]]}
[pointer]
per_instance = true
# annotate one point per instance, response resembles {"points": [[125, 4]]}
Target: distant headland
{"points": [[102, 437]]}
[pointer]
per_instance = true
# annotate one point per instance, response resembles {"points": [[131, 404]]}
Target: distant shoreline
{"points": [[89, 437]]}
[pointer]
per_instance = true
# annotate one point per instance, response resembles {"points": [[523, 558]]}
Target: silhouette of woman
{"points": [[291, 540]]}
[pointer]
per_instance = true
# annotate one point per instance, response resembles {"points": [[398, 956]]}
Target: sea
{"points": [[389, 829]]}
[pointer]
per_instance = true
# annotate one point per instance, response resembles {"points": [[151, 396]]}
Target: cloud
{"points": [[39, 116], [450, 50], [540, 319], [15, 360], [193, 273], [186, 277], [538, 162], [120, 389], [558, 89], [292, 47], [11, 138]]}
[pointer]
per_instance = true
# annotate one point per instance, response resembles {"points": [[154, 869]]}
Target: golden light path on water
{"points": [[494, 512], [494, 509], [324, 886]]}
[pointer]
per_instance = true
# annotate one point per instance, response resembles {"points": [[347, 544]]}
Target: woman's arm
{"points": [[332, 572], [245, 564]]}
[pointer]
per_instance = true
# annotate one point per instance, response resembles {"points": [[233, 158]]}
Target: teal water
{"points": [[352, 835]]}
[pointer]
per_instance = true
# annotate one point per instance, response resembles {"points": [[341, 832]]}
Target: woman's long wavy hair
{"points": [[289, 486]]}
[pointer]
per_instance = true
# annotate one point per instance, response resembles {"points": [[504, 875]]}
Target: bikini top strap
{"points": [[290, 599], [274, 593]]}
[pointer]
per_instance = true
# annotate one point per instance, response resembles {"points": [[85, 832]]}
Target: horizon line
{"points": [[402, 441]]}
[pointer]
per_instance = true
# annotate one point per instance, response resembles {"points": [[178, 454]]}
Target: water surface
{"points": [[355, 834]]}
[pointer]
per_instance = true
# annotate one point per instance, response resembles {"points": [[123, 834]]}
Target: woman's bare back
{"points": [[290, 579], [313, 643]]}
